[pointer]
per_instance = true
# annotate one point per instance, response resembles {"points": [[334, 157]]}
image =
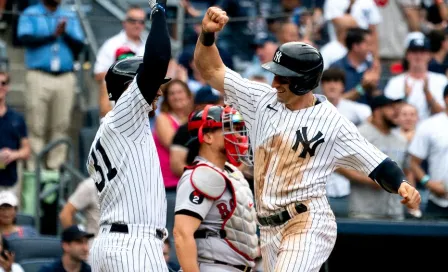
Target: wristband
{"points": [[207, 38], [360, 90], [425, 180]]}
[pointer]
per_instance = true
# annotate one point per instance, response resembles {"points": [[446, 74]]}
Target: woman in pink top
{"points": [[176, 106]]}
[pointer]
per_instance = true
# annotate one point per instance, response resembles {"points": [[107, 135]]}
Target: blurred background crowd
{"points": [[385, 70]]}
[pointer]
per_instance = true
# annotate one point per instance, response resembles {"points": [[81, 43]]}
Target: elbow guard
{"points": [[388, 175]]}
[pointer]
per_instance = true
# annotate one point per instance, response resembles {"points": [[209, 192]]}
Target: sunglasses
{"points": [[4, 83], [135, 21]]}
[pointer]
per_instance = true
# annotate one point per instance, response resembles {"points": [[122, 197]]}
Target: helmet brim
{"points": [[279, 70], [166, 80]]}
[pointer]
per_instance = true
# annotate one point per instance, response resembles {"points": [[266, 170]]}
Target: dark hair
{"points": [[445, 92], [167, 242], [355, 36], [436, 38], [333, 74]]}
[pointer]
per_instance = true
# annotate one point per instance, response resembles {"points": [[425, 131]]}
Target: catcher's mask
{"points": [[236, 140]]}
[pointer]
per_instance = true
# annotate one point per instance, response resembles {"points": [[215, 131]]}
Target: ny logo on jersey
{"points": [[277, 56], [308, 146]]}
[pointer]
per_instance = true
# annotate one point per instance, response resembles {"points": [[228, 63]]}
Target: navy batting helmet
{"points": [[120, 74], [301, 63]]}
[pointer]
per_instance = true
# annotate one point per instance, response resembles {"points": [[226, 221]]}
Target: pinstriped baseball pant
{"points": [[302, 244], [138, 250]]}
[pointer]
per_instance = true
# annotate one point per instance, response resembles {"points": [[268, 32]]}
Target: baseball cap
{"points": [[74, 233], [8, 198], [416, 41], [381, 101], [263, 38], [206, 95], [123, 52]]}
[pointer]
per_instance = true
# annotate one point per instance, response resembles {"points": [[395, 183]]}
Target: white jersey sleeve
{"points": [[244, 95], [129, 116], [187, 198], [353, 151]]}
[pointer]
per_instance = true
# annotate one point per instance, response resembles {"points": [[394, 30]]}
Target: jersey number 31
{"points": [[111, 172]]}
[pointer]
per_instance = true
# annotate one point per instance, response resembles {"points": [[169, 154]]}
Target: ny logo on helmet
{"points": [[277, 56]]}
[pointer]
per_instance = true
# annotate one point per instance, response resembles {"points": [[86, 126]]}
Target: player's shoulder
{"points": [[234, 78]]}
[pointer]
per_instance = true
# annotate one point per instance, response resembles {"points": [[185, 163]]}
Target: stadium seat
{"points": [[42, 247], [92, 118], [25, 220], [33, 265], [86, 137], [340, 206]]}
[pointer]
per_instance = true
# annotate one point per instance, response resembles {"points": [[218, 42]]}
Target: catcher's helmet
{"points": [[301, 63], [236, 141], [121, 73]]}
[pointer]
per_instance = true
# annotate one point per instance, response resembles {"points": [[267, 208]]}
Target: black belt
{"points": [[281, 217], [204, 233], [239, 267], [52, 73], [123, 228]]}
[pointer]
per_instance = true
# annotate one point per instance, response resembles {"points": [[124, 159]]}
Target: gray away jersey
{"points": [[295, 151], [125, 166]]}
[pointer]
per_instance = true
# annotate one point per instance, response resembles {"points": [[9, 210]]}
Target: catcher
{"points": [[214, 226]]}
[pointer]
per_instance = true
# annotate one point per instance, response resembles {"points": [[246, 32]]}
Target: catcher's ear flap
{"points": [[208, 181]]}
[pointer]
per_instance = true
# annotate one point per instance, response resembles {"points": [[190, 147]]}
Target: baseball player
{"points": [[298, 139], [124, 164], [215, 222]]}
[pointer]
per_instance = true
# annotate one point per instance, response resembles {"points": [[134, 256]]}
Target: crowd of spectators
{"points": [[385, 70]]}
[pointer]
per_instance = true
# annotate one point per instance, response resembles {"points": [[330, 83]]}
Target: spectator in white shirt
{"points": [[431, 143], [418, 86], [353, 13], [335, 49], [332, 85], [128, 42]]}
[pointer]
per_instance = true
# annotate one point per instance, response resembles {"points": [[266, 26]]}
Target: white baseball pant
{"points": [[137, 250], [303, 244]]}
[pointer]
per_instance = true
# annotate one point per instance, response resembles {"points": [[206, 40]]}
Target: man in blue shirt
{"points": [[14, 143], [52, 37], [75, 243], [361, 74]]}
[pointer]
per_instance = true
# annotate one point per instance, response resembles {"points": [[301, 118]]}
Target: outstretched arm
{"points": [[157, 55], [206, 54]]}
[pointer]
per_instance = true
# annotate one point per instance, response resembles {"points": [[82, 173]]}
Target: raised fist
{"points": [[214, 20]]}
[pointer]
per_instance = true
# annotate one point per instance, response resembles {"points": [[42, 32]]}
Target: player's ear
{"points": [[207, 137]]}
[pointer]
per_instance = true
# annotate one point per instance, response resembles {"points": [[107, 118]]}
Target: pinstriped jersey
{"points": [[125, 166], [295, 151]]}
